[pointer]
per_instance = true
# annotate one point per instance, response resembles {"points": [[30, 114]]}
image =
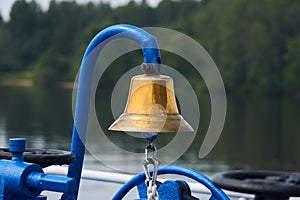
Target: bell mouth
{"points": [[151, 123]]}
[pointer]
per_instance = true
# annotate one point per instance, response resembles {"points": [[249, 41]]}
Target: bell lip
{"points": [[124, 123]]}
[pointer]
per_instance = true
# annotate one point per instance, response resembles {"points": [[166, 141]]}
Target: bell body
{"points": [[151, 107]]}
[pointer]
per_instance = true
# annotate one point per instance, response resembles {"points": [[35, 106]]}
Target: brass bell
{"points": [[151, 107]]}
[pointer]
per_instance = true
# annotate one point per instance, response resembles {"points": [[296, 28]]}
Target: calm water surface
{"points": [[260, 132]]}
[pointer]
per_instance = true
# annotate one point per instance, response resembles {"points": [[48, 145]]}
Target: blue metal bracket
{"points": [[151, 56]]}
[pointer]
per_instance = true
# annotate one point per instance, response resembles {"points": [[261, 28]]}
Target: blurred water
{"points": [[261, 132]]}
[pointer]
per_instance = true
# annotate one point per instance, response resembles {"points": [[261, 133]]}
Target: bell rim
{"points": [[125, 123]]}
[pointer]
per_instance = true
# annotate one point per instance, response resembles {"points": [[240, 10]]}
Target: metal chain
{"points": [[151, 159]]}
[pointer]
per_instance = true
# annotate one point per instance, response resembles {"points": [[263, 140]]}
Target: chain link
{"points": [[151, 159]]}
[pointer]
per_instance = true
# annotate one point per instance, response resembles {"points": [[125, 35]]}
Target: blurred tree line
{"points": [[255, 44]]}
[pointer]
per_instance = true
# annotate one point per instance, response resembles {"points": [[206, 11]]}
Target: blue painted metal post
{"points": [[151, 55]]}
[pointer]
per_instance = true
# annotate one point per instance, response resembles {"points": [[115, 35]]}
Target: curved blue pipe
{"points": [[148, 42], [151, 55], [138, 179]]}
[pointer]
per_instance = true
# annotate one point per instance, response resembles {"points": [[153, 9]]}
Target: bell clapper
{"points": [[151, 159]]}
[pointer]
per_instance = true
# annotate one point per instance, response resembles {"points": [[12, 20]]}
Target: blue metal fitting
{"points": [[25, 181], [167, 190], [150, 136], [17, 145], [50, 182], [13, 181], [14, 173]]}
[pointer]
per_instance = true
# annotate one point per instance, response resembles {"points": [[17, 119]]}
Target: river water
{"points": [[260, 132]]}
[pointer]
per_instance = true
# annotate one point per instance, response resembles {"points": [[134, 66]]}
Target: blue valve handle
{"points": [[216, 193], [151, 56]]}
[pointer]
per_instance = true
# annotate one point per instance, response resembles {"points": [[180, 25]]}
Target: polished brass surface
{"points": [[151, 107]]}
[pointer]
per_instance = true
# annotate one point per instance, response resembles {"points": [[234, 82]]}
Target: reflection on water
{"points": [[260, 132], [41, 115]]}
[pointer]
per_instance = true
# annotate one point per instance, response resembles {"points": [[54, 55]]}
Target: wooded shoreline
{"points": [[255, 44]]}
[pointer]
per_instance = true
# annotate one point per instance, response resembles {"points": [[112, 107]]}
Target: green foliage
{"points": [[291, 69], [51, 66], [255, 43], [23, 27]]}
